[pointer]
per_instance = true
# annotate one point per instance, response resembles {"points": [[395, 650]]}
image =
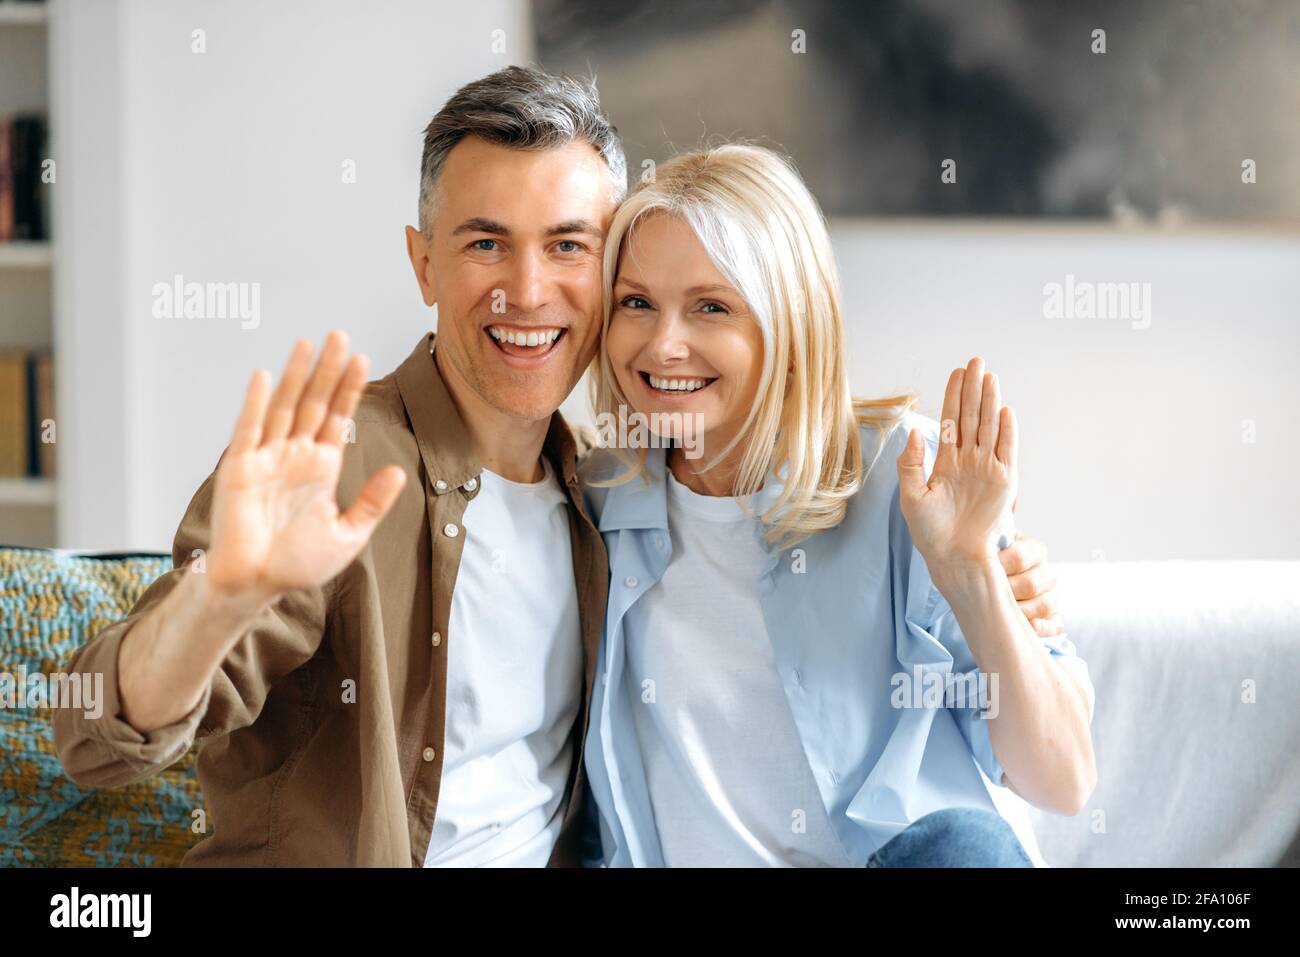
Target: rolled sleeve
{"points": [[974, 728], [105, 750], [976, 731]]}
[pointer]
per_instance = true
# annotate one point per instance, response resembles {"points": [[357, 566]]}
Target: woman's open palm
{"points": [[975, 475], [276, 525]]}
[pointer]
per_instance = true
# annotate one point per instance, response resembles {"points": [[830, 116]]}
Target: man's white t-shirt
{"points": [[514, 677], [728, 777]]}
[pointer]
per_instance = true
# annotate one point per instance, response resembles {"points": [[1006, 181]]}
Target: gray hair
{"points": [[521, 108]]}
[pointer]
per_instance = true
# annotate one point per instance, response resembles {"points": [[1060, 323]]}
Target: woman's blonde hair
{"points": [[767, 236]]}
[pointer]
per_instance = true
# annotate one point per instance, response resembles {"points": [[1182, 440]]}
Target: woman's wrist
{"points": [[963, 568]]}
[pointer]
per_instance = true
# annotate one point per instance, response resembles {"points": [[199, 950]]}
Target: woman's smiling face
{"points": [[681, 339]]}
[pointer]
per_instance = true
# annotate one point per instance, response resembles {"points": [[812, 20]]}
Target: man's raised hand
{"points": [[276, 525]]}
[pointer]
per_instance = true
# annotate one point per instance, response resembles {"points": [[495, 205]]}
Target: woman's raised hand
{"points": [[276, 525], [955, 515]]}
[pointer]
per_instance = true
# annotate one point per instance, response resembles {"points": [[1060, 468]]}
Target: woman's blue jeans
{"points": [[953, 837]]}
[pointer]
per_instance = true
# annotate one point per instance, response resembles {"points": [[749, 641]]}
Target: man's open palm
{"points": [[276, 525]]}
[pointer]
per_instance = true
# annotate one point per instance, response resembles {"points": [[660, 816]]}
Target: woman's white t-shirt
{"points": [[728, 778]]}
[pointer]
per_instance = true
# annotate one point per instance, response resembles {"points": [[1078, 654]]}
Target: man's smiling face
{"points": [[513, 262]]}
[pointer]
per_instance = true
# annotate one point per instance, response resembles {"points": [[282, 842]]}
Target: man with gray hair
{"points": [[404, 683]]}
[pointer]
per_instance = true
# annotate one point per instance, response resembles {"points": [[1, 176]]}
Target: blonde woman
{"points": [[812, 656]]}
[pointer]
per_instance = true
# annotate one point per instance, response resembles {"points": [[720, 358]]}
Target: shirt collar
{"points": [[444, 441], [636, 505], [765, 497]]}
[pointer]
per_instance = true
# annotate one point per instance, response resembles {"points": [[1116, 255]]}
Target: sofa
{"points": [[51, 603], [1196, 729], [1197, 722]]}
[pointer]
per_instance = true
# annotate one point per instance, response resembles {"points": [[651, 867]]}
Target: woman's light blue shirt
{"points": [[847, 610]]}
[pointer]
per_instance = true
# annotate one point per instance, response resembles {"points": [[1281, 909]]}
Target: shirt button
{"points": [[429, 754], [440, 485], [659, 541], [471, 484], [437, 639], [450, 530], [630, 581]]}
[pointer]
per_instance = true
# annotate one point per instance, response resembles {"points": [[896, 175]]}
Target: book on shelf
{"points": [[27, 430], [24, 212]]}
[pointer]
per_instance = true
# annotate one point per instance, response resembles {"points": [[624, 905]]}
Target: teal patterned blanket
{"points": [[50, 605]]}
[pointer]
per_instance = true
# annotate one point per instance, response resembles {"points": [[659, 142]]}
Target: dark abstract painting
{"points": [[1139, 109]]}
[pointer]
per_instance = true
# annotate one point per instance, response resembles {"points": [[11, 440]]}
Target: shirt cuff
{"points": [[981, 746], [153, 750]]}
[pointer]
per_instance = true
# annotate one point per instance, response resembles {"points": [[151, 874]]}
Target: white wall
{"points": [[1132, 439], [226, 167]]}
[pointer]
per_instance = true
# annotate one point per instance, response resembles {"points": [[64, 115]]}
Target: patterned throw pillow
{"points": [[50, 605]]}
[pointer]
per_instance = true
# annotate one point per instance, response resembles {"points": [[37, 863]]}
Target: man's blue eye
{"points": [[570, 243], [485, 245]]}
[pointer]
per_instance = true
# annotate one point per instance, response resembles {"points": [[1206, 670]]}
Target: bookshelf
{"points": [[28, 505]]}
